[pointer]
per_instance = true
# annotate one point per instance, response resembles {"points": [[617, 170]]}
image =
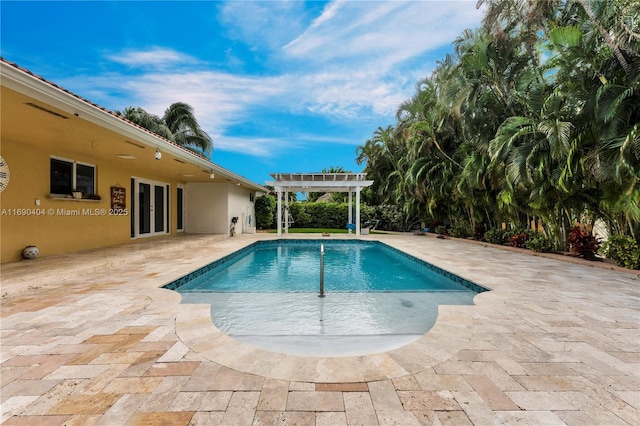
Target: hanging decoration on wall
{"points": [[118, 198]]}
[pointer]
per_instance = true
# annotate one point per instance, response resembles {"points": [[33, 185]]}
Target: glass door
{"points": [[150, 207]]}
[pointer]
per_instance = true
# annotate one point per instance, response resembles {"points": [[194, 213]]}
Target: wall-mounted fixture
{"points": [[158, 154], [212, 175]]}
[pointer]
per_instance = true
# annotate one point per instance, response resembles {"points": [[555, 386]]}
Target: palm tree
{"points": [[336, 197], [186, 130], [537, 114], [379, 165], [147, 120], [178, 124]]}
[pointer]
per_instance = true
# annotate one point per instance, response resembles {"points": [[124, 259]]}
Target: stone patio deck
{"points": [[91, 338]]}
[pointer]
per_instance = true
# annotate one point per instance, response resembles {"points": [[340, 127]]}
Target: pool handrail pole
{"points": [[321, 270]]}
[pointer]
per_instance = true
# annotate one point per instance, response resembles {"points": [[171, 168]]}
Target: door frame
{"points": [[181, 188], [137, 211]]}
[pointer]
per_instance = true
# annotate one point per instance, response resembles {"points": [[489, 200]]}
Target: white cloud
{"points": [[396, 30], [263, 24], [153, 57], [348, 94], [256, 146]]}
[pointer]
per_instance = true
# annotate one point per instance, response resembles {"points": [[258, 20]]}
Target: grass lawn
{"points": [[313, 231]]}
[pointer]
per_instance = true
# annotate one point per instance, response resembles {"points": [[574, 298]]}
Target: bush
{"points": [[301, 218], [391, 219], [478, 232], [623, 250], [441, 229], [539, 243], [327, 215], [583, 243], [265, 211], [460, 230], [336, 215], [497, 236], [519, 240]]}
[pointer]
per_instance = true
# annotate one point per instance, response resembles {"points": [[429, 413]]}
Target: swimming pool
{"points": [[377, 298]]}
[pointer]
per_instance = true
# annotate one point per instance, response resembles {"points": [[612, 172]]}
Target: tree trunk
{"points": [[607, 37]]}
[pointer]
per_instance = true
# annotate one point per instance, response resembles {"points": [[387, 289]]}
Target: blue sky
{"points": [[281, 86]]}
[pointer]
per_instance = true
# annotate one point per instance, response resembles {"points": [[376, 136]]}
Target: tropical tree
{"points": [[536, 115], [335, 197], [178, 124]]}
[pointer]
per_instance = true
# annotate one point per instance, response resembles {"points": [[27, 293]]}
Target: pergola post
{"points": [[286, 211], [279, 212], [350, 208], [358, 210]]}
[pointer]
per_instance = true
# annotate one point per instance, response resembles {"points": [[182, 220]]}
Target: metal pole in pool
{"points": [[321, 270]]}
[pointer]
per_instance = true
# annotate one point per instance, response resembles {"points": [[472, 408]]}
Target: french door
{"points": [[150, 212]]}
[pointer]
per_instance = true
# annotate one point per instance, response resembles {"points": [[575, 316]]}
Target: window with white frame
{"points": [[68, 176]]}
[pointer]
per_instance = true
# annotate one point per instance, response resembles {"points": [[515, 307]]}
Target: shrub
{"points": [[623, 250], [539, 243], [441, 229], [497, 236], [460, 230], [301, 219], [335, 215], [583, 243], [265, 211], [325, 215], [391, 219], [478, 232], [518, 240]]}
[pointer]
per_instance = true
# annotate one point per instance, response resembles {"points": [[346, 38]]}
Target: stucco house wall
{"points": [[211, 207]]}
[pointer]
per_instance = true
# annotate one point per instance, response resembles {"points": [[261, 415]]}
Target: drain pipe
{"points": [[321, 270]]}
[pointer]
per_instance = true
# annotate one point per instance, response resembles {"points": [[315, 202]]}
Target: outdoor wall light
{"points": [[158, 154], [212, 176]]}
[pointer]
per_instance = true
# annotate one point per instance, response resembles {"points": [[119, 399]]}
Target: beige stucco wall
{"points": [[240, 206], [210, 207], [206, 208], [62, 226]]}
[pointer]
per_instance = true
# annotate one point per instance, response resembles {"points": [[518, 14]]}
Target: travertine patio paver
{"points": [[91, 338]]}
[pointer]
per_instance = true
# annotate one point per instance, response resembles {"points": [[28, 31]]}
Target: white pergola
{"points": [[317, 182]]}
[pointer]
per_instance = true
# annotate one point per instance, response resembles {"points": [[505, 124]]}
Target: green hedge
{"points": [[265, 211], [319, 215], [327, 215]]}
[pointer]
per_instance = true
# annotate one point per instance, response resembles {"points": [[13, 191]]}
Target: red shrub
{"points": [[519, 240], [583, 243]]}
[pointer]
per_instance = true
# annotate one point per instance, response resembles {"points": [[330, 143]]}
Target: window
{"points": [[68, 175]]}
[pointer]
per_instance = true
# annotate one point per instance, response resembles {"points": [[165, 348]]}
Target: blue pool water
{"points": [[377, 298]]}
